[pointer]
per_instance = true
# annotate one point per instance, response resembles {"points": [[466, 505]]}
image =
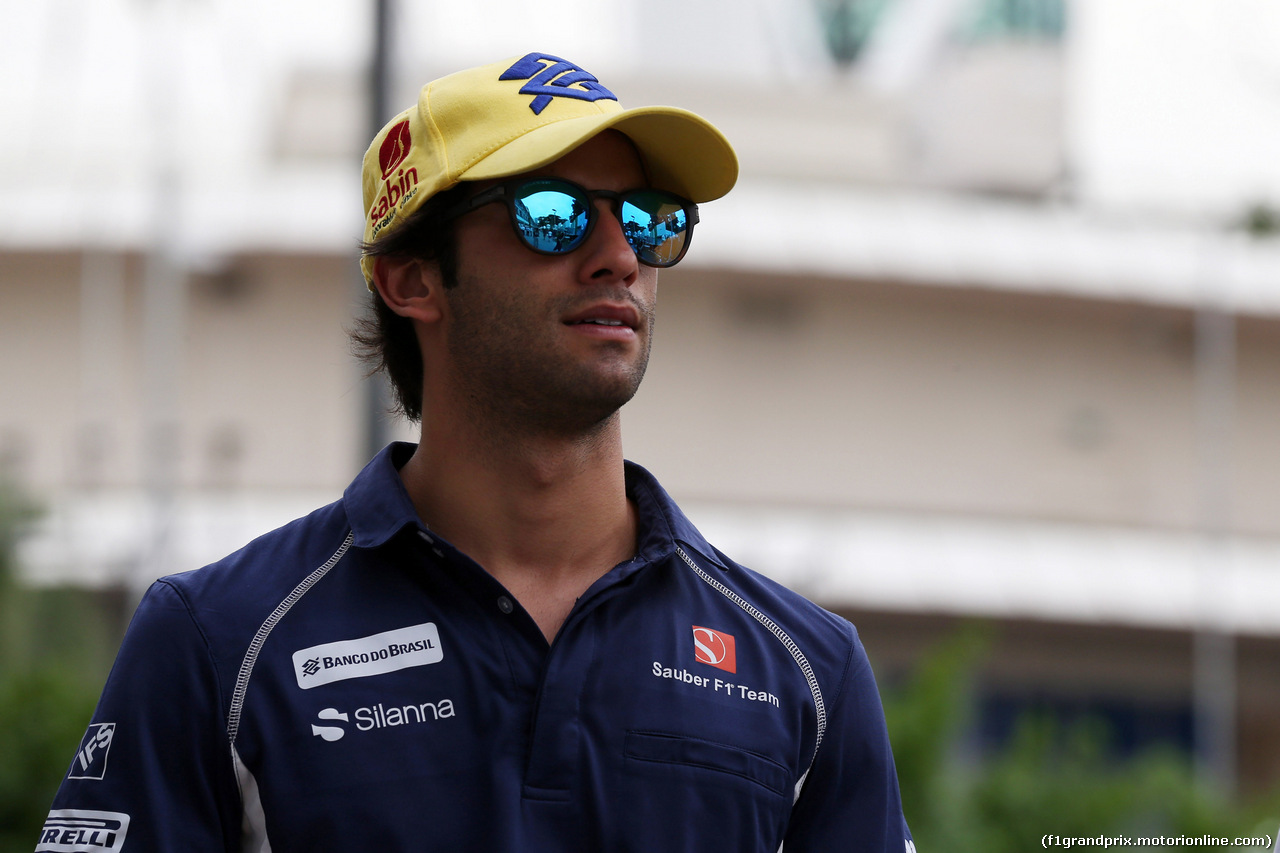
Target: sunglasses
{"points": [[553, 216]]}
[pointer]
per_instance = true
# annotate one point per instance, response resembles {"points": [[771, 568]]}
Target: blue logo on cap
{"points": [[559, 79]]}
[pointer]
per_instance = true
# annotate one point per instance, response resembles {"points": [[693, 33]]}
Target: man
{"points": [[503, 638]]}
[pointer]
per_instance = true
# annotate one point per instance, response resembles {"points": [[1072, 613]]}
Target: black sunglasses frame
{"points": [[509, 192]]}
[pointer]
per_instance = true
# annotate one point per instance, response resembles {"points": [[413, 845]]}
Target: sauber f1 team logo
{"points": [[715, 648]]}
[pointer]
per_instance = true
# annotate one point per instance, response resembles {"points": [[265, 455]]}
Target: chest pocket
{"points": [[663, 748]]}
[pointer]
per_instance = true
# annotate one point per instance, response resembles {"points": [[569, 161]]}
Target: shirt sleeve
{"points": [[850, 800], [154, 769]]}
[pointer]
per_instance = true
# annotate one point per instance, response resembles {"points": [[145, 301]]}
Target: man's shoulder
{"points": [[792, 614], [264, 571], [795, 617]]}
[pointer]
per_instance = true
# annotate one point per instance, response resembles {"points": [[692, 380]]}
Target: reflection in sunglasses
{"points": [[554, 216]]}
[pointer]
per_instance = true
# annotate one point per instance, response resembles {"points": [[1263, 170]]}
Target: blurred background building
{"points": [[990, 327]]}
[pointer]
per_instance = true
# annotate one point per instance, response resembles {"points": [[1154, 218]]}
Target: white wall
{"points": [[1175, 104]]}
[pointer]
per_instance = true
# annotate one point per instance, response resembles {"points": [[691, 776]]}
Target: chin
{"points": [[585, 409]]}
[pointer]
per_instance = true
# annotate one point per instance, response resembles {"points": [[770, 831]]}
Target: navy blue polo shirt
{"points": [[353, 682]]}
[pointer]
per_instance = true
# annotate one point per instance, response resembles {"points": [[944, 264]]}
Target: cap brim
{"points": [[682, 152]]}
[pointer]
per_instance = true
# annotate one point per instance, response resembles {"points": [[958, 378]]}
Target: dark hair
{"points": [[382, 339]]}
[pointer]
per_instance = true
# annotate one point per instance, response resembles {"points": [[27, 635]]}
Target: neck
{"points": [[544, 514]]}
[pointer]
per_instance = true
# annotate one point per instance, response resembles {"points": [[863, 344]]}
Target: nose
{"points": [[607, 256]]}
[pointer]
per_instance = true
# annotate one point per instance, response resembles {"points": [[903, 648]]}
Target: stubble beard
{"points": [[518, 378]]}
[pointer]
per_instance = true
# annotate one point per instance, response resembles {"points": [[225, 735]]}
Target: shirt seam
{"points": [[265, 629], [792, 647]]}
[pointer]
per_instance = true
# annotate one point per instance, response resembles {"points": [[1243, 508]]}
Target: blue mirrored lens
{"points": [[549, 218], [656, 225], [554, 216]]}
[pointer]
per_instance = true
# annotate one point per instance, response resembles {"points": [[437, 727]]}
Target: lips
{"points": [[608, 315]]}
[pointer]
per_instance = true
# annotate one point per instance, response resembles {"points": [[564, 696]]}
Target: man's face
{"points": [[519, 336]]}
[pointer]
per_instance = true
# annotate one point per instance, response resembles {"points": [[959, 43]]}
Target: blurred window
{"points": [[1005, 20], [847, 25]]}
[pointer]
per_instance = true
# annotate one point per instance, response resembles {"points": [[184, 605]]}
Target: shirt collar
{"points": [[377, 504], [378, 507], [662, 524]]}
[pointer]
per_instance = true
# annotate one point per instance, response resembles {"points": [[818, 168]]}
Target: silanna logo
{"points": [[715, 648], [380, 716], [417, 645]]}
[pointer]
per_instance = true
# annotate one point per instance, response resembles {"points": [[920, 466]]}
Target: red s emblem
{"points": [[715, 648], [395, 148]]}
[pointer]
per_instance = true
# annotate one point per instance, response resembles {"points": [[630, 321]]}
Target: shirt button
{"points": [[505, 605]]}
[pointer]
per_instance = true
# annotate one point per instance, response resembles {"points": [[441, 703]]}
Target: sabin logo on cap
{"points": [[395, 148]]}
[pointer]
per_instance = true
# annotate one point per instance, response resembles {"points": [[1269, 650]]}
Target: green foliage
{"points": [[1049, 779], [55, 648], [16, 512], [926, 716], [43, 714], [1261, 220]]}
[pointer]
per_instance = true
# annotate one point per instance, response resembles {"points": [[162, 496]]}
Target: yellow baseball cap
{"points": [[516, 115]]}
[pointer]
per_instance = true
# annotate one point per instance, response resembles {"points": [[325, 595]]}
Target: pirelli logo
{"points": [[417, 645], [81, 830]]}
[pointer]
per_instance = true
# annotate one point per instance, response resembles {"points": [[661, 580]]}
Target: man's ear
{"points": [[410, 287]]}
